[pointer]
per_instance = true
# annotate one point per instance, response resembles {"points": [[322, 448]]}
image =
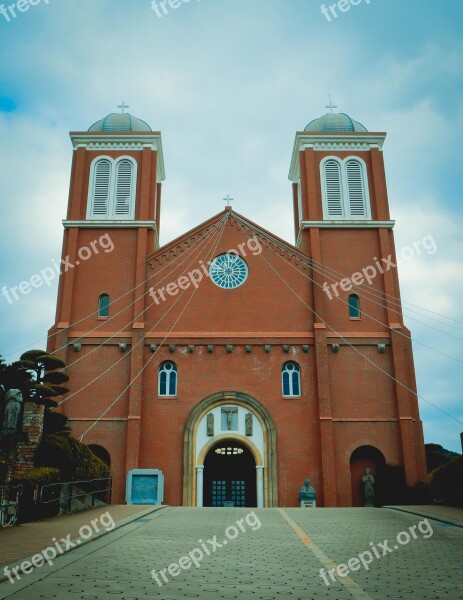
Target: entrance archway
{"points": [[229, 475], [363, 457], [242, 422]]}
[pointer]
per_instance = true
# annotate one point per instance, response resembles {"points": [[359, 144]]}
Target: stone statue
{"points": [[210, 424], [368, 482], [307, 492], [248, 423], [13, 399], [229, 412]]}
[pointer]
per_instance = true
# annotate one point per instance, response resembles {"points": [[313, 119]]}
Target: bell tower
{"points": [[114, 201], [342, 222], [112, 225]]}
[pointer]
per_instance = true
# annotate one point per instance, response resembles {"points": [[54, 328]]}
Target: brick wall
{"points": [[32, 429]]}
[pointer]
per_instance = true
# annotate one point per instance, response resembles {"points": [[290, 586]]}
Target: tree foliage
{"points": [[39, 376], [74, 459], [447, 483]]}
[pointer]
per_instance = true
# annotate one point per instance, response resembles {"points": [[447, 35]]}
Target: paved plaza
{"points": [[251, 554]]}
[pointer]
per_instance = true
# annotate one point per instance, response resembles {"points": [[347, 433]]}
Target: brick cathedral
{"points": [[234, 362]]}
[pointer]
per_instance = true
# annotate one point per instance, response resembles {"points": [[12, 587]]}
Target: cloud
{"points": [[228, 84]]}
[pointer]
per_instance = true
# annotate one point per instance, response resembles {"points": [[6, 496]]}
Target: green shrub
{"points": [[86, 464], [38, 475], [3, 470], [29, 507], [55, 451], [447, 483], [74, 459]]}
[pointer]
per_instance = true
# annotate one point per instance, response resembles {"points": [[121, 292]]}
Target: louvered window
{"points": [[101, 188], [355, 189], [345, 189], [112, 189], [123, 196], [333, 188]]}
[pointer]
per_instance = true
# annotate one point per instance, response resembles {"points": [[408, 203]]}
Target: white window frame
{"points": [[111, 213], [298, 371], [346, 213], [160, 370]]}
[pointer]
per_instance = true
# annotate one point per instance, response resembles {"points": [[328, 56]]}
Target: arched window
{"points": [[167, 384], [100, 191], [356, 189], [111, 193], [103, 306], [344, 188], [354, 306], [291, 379], [123, 205], [333, 189]]}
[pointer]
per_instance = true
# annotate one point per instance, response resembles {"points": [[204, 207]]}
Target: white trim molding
{"points": [[108, 223], [348, 224], [126, 142], [332, 142]]}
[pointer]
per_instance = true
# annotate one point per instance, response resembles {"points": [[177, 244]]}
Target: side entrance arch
{"points": [[362, 458], [230, 453]]}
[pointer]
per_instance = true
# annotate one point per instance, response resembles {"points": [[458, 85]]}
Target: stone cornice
{"points": [[129, 141], [109, 224], [335, 142], [348, 224]]}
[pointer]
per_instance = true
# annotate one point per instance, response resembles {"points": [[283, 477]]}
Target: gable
{"points": [[186, 300]]}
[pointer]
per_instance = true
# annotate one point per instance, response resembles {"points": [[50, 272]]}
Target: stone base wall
{"points": [[30, 437]]}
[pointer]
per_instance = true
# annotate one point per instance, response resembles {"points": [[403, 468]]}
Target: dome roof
{"points": [[120, 122], [335, 122]]}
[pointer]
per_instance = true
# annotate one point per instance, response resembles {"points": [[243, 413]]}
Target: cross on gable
{"points": [[123, 106], [228, 200]]}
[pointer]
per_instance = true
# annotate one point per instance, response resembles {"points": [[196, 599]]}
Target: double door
{"points": [[228, 493]]}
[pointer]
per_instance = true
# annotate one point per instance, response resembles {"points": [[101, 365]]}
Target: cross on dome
{"points": [[123, 106], [331, 105]]}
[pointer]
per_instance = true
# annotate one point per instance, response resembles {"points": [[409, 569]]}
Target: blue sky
{"points": [[229, 82]]}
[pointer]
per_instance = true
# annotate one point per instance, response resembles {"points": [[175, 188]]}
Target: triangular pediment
{"points": [[233, 219], [271, 301]]}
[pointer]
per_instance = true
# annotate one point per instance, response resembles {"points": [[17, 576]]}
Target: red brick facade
{"points": [[232, 344]]}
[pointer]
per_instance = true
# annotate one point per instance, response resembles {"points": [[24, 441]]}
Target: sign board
{"points": [[145, 486]]}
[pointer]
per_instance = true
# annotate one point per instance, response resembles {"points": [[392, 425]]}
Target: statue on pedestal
{"points": [[368, 482], [307, 492], [13, 399]]}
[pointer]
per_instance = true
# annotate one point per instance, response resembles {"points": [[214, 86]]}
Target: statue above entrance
{"points": [[230, 412]]}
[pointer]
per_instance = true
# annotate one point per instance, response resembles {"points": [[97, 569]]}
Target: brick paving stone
{"points": [[272, 562]]}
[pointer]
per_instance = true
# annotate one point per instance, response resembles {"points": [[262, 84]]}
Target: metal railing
{"points": [[9, 503], [65, 492]]}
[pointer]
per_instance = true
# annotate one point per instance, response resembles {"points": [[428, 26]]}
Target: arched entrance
{"points": [[362, 458], [235, 420], [101, 452], [229, 477]]}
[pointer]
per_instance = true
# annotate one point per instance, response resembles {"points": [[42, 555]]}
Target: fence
{"points": [[9, 504], [71, 496]]}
